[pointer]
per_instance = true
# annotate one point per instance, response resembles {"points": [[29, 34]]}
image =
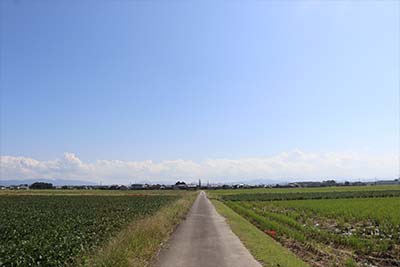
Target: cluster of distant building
{"points": [[334, 183], [181, 185]]}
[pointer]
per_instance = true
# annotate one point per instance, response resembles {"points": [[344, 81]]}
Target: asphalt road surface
{"points": [[204, 239]]}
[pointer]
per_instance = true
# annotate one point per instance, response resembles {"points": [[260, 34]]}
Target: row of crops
{"points": [[59, 230], [353, 228], [312, 195]]}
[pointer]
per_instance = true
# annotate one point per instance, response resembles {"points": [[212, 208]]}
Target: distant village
{"points": [[181, 185]]}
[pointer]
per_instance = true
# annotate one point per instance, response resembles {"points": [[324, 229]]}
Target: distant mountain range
{"points": [[55, 182]]}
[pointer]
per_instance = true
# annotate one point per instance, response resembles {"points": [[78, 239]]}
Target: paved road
{"points": [[204, 240]]}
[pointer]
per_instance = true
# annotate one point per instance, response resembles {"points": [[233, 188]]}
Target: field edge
{"points": [[138, 244], [265, 249]]}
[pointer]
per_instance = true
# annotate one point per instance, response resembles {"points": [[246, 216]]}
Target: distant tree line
{"points": [[41, 185]]}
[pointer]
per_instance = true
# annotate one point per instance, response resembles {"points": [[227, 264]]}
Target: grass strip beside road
{"points": [[265, 249], [137, 245]]}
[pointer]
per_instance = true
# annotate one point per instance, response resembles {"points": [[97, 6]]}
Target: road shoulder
{"points": [[138, 243], [261, 246]]}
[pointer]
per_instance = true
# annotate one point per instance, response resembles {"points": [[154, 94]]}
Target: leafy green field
{"points": [[327, 228], [42, 230], [95, 192]]}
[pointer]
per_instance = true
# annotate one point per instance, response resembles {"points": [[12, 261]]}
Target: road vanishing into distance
{"points": [[204, 239]]}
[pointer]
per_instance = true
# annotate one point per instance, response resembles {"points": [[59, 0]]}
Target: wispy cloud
{"points": [[292, 165]]}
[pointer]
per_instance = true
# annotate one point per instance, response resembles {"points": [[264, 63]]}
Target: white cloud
{"points": [[287, 166]]}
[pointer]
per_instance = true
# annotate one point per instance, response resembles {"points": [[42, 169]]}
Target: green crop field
{"points": [[60, 230], [307, 189], [95, 192], [345, 227]]}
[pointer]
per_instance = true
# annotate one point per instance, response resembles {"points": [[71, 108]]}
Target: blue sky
{"points": [[198, 80]]}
